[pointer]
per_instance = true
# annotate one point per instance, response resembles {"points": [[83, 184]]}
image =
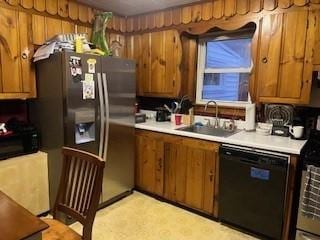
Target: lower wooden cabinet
{"points": [[149, 164], [180, 169]]}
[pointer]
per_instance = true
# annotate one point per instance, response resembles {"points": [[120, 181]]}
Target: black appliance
{"points": [[308, 229], [141, 117], [162, 114], [19, 143], [252, 188]]}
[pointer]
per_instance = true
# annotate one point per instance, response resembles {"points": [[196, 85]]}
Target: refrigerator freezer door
{"points": [[82, 111], [119, 75]]}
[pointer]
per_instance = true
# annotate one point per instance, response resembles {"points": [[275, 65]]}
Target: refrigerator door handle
{"points": [[107, 114], [102, 114]]}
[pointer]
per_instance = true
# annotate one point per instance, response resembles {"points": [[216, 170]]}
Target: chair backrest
{"points": [[80, 187]]}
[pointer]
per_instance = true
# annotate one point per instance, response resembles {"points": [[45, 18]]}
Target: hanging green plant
{"points": [[99, 32]]}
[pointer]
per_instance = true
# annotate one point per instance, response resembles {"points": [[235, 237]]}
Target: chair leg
{"points": [[87, 232]]}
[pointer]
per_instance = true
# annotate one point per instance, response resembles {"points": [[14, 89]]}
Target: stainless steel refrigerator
{"points": [[87, 102]]}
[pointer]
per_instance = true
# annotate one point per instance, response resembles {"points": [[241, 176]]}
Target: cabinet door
{"points": [[165, 62], [200, 179], [17, 75], [158, 57], [285, 69], [158, 68], [270, 45], [149, 164], [138, 48], [175, 172], [190, 169], [28, 76], [9, 48]]}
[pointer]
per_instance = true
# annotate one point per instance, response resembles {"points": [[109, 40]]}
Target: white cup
{"points": [[297, 131]]}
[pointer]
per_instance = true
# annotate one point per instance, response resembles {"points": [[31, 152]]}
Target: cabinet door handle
{"points": [[211, 176], [264, 60], [159, 164], [25, 54]]}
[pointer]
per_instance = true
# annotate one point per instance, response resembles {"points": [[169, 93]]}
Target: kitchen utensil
{"points": [[296, 131], [186, 105], [175, 107], [263, 131], [169, 109], [162, 114], [3, 128]]}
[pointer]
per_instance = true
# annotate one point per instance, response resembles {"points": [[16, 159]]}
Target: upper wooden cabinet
{"points": [[17, 75], [285, 57], [158, 57]]}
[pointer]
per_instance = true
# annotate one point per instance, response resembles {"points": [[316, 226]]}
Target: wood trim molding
{"points": [[186, 18], [72, 11]]}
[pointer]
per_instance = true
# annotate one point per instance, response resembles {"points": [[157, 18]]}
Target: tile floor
{"points": [[140, 217]]}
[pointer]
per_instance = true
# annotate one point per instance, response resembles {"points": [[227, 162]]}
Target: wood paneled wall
{"points": [[66, 10], [51, 17], [207, 10]]}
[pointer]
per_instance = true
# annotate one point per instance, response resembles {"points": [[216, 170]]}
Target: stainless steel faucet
{"points": [[216, 123]]}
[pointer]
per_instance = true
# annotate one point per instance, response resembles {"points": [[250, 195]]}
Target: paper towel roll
{"points": [[250, 117]]}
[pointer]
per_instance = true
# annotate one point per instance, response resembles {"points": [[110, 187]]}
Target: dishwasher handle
{"points": [[254, 157], [256, 160], [226, 157]]}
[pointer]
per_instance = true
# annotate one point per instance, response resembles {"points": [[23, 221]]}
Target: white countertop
{"points": [[243, 138]]}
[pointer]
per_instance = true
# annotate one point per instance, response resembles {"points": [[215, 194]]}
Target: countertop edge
{"points": [[222, 140]]}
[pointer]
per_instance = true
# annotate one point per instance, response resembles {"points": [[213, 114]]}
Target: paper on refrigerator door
{"points": [[88, 91]]}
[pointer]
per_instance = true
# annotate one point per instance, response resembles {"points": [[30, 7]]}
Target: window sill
{"points": [[225, 104], [235, 112]]}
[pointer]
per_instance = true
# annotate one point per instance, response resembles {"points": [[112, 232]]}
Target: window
{"points": [[224, 66]]}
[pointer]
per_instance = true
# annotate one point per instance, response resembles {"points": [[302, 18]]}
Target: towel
{"points": [[311, 195]]}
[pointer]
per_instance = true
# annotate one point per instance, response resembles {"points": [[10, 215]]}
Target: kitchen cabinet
{"points": [[180, 169], [190, 173], [316, 55], [149, 163], [158, 57], [17, 74], [25, 180], [285, 57]]}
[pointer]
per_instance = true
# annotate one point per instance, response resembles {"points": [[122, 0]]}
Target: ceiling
{"points": [[134, 7]]}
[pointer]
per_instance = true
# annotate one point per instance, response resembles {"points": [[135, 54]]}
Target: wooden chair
{"points": [[78, 195]]}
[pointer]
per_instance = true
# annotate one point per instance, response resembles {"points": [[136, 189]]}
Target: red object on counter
{"points": [[178, 118]]}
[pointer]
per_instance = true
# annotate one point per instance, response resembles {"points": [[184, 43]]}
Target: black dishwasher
{"points": [[252, 186]]}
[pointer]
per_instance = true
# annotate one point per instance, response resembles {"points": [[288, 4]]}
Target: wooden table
{"points": [[17, 222]]}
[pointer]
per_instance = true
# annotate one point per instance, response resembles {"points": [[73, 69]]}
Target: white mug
{"points": [[297, 131]]}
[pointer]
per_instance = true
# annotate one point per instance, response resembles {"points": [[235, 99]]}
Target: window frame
{"points": [[201, 69]]}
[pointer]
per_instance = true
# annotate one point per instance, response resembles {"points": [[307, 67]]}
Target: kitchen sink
{"points": [[206, 130]]}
